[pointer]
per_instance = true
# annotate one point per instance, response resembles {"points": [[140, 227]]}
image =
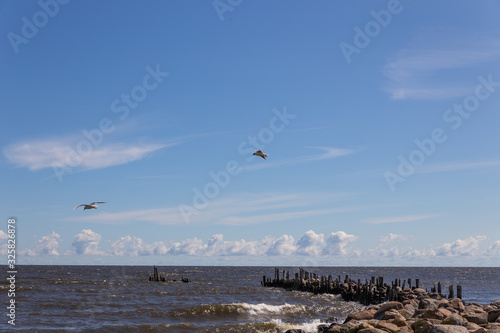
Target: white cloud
{"points": [[134, 246], [493, 250], [336, 243], [283, 246], [74, 152], [214, 243], [87, 242], [311, 244], [190, 246], [392, 237], [3, 235], [466, 247], [47, 245], [217, 246], [417, 253], [317, 248], [241, 247], [381, 252]]}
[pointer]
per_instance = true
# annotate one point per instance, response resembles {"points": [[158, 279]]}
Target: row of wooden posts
{"points": [[156, 277], [160, 277], [372, 291]]}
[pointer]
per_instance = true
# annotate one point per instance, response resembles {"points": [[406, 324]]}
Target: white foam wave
{"points": [[309, 327], [263, 308]]}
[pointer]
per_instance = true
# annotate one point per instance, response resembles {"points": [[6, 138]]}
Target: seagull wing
{"points": [[97, 202], [78, 206]]}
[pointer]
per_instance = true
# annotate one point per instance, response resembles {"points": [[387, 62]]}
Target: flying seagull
{"points": [[90, 205], [260, 153]]}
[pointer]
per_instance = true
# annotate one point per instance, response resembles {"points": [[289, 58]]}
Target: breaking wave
{"points": [[242, 309]]}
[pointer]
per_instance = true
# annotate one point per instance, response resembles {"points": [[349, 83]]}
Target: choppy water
{"points": [[218, 299]]}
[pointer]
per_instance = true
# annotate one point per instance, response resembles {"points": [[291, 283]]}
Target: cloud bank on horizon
{"points": [[315, 248]]}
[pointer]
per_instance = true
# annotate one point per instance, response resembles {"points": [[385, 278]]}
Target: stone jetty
{"points": [[421, 312], [395, 308]]}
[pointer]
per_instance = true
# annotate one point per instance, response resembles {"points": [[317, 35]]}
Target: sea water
{"points": [[217, 299]]}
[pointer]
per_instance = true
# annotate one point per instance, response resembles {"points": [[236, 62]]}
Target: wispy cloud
{"points": [[327, 153], [277, 217], [241, 209], [416, 72], [444, 167], [74, 152], [165, 216], [397, 219]]}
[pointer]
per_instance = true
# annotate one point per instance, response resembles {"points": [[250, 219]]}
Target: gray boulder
{"points": [[457, 304], [362, 315], [454, 319], [428, 303], [371, 330], [386, 307], [480, 318], [493, 315], [448, 329]]}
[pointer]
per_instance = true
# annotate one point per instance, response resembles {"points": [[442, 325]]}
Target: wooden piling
{"points": [[373, 291], [155, 274]]}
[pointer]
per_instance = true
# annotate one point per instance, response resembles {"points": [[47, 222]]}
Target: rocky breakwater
{"points": [[373, 291], [419, 311]]}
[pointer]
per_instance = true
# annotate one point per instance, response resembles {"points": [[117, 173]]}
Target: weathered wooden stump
{"points": [[373, 291]]}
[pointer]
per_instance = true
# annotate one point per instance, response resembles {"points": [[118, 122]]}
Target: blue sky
{"points": [[380, 120]]}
